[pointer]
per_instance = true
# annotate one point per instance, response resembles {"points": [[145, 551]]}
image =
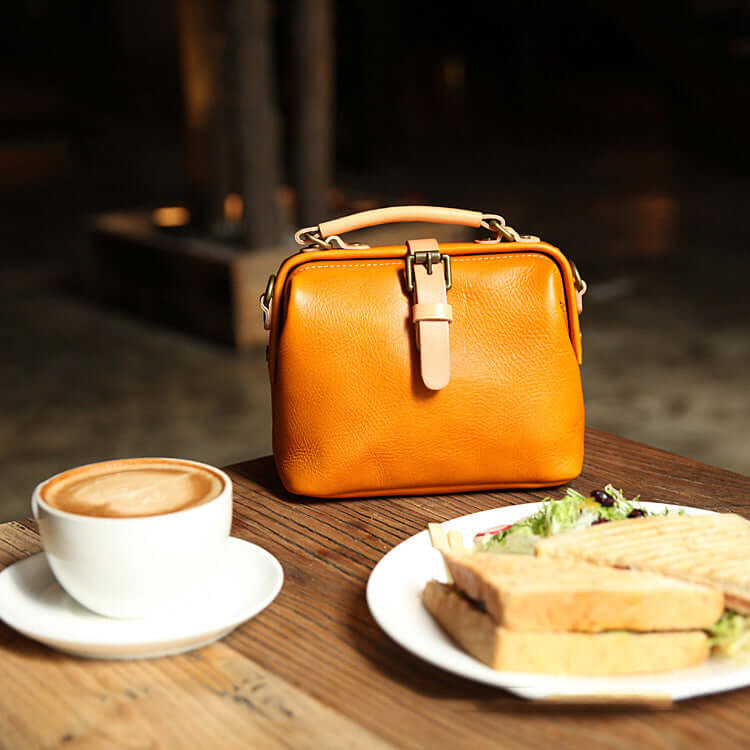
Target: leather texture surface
{"points": [[351, 413]]}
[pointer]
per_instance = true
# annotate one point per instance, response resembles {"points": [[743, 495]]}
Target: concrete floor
{"points": [[666, 333]]}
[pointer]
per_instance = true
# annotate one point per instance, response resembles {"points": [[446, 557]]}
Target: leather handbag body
{"points": [[424, 367]]}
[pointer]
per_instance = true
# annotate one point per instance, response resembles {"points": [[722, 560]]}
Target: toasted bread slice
{"points": [[559, 653], [539, 594], [708, 549]]}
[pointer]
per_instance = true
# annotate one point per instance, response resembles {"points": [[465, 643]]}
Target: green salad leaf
{"points": [[573, 511], [730, 636]]}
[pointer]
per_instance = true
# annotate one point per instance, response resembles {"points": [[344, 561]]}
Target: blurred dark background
{"points": [[618, 133]]}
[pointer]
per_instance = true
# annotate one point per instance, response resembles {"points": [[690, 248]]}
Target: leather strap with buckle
{"points": [[431, 312]]}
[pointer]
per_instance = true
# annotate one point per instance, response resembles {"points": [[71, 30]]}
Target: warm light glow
{"points": [[171, 216], [655, 218], [233, 207], [454, 74]]}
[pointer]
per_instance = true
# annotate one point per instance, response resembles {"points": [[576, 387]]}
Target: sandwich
{"points": [[566, 617], [712, 550], [534, 614]]}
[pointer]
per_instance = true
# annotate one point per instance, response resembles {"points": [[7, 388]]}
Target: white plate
{"points": [[32, 602], [393, 595]]}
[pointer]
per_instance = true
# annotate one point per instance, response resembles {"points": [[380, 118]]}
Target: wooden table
{"points": [[315, 671]]}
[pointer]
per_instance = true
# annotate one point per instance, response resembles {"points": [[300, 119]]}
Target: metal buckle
{"points": [[428, 259]]}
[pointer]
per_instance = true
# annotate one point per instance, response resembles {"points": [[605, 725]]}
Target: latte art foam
{"points": [[136, 488]]}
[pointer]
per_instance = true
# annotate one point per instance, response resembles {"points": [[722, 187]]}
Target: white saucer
{"points": [[32, 602]]}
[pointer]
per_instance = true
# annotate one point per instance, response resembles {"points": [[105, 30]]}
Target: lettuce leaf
{"points": [[730, 636], [573, 511]]}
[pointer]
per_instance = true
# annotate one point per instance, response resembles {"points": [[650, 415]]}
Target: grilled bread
{"points": [[547, 595], [711, 549], [559, 653]]}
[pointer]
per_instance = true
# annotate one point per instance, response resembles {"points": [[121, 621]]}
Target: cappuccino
{"points": [[152, 559], [132, 488]]}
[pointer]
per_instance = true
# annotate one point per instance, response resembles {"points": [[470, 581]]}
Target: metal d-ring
{"points": [[311, 235], [311, 239], [265, 301], [501, 230]]}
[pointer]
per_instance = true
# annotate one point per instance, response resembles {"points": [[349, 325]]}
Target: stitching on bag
{"points": [[498, 256], [454, 259], [313, 267], [503, 256]]}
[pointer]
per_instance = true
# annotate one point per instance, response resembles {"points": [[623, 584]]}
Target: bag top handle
{"points": [[319, 234]]}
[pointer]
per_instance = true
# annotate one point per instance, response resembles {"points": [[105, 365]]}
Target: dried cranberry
{"points": [[603, 498], [636, 513], [600, 520]]}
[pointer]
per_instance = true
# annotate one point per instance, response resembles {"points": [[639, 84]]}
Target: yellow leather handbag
{"points": [[424, 367]]}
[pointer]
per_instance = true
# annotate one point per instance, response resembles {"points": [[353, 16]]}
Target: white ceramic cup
{"points": [[137, 566]]}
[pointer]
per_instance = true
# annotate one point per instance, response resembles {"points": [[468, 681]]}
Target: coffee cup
{"points": [[131, 538]]}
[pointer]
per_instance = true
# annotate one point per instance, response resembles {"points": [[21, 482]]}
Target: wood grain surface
{"points": [[330, 676], [212, 698]]}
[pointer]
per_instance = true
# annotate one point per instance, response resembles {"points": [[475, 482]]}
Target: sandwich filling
{"points": [[571, 513]]}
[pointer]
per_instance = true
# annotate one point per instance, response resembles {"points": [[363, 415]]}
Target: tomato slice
{"points": [[492, 532]]}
